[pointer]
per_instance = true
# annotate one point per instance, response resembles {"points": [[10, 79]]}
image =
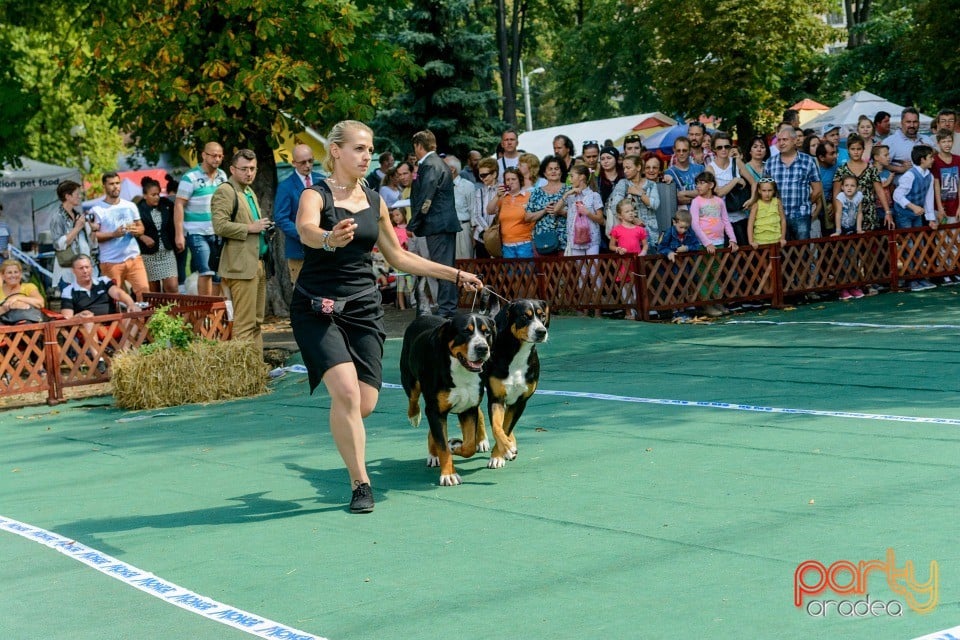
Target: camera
{"points": [[90, 217]]}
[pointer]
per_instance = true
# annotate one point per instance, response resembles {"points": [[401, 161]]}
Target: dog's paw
{"points": [[451, 480], [511, 454], [455, 445], [414, 420], [433, 461], [496, 463], [483, 445]]}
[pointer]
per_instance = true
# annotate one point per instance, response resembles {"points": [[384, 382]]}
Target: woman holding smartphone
{"points": [[510, 205]]}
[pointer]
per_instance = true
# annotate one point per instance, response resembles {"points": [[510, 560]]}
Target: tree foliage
{"points": [[40, 104], [726, 58], [933, 46], [599, 67], [62, 128], [880, 63], [19, 105], [453, 94], [197, 70], [191, 71]]}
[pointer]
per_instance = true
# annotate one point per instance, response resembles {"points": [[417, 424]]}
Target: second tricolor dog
{"points": [[513, 372]]}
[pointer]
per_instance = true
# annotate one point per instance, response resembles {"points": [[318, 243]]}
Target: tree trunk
{"points": [[507, 69], [857, 12]]}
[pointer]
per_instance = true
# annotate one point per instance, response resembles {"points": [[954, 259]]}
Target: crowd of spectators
{"points": [[714, 191], [788, 186]]}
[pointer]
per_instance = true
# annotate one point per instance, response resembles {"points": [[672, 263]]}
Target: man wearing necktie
{"points": [[288, 200], [242, 264]]}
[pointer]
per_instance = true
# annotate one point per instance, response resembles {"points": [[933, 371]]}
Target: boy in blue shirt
{"points": [[679, 239]]}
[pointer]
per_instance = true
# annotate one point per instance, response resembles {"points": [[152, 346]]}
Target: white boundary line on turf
{"points": [[853, 415], [947, 634], [861, 325], [156, 587]]}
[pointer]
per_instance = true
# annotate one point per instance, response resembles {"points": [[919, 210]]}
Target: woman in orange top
{"points": [[510, 205]]}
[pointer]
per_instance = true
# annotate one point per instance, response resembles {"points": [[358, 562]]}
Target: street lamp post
{"points": [[525, 81]]}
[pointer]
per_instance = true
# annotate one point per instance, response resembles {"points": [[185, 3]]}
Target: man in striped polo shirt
{"points": [[191, 213]]}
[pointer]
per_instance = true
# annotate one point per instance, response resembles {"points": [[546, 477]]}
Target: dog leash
{"points": [[489, 291]]}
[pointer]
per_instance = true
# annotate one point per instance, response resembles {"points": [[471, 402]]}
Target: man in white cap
{"points": [[831, 133]]}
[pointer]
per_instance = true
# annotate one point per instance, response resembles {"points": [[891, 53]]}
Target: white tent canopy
{"points": [[865, 103], [540, 142], [29, 197]]}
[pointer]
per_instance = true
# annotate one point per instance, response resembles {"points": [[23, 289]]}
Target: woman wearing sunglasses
{"points": [[489, 174], [735, 184]]}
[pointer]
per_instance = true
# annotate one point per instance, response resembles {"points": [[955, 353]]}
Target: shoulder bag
{"points": [[491, 238], [737, 197]]}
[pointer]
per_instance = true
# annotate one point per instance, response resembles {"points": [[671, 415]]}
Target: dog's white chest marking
{"points": [[516, 383], [465, 393]]}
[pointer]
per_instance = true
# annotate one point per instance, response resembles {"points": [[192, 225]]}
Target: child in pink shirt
{"points": [[709, 215], [404, 280], [710, 222], [628, 237]]}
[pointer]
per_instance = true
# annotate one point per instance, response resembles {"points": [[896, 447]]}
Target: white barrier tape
{"points": [[157, 587], [947, 634], [737, 407], [858, 325]]}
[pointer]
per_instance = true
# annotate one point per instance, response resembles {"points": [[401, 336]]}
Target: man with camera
{"points": [[238, 219]]}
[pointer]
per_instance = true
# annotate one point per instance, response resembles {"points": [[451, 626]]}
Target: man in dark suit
{"points": [[288, 200], [434, 214]]}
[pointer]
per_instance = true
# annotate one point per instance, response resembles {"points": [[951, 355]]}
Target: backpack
{"points": [[218, 241]]}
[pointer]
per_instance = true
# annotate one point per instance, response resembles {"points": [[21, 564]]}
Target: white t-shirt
{"points": [[725, 177], [111, 217], [505, 163], [848, 215]]}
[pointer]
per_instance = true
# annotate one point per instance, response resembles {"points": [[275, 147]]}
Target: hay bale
{"points": [[205, 371]]}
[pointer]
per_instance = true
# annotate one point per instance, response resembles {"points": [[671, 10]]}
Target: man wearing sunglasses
{"points": [[683, 172], [191, 214], [286, 202]]}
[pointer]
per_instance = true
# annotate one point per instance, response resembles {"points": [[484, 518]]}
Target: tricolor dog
{"points": [[513, 372], [441, 360]]}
